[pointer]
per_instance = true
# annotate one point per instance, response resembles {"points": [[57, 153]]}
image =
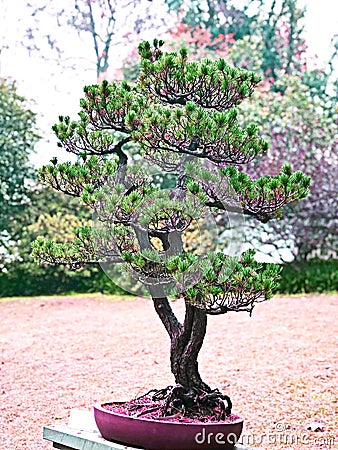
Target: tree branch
{"points": [[167, 316]]}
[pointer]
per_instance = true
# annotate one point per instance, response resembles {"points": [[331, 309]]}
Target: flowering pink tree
{"points": [[302, 131]]}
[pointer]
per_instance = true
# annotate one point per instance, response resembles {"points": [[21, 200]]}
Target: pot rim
{"points": [[99, 407]]}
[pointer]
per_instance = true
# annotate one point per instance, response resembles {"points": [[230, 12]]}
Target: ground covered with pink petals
{"points": [[280, 367]]}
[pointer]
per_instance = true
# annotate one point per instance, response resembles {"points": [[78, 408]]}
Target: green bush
{"points": [[55, 281], [315, 275]]}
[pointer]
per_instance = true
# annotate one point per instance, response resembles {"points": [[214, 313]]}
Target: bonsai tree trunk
{"points": [[185, 348], [191, 392]]}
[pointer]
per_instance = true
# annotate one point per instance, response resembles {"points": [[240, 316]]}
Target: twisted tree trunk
{"points": [[186, 342], [185, 349], [191, 395]]}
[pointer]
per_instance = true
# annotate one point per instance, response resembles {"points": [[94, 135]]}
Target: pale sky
{"points": [[321, 23], [58, 92]]}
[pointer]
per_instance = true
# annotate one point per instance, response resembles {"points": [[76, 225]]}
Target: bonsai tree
{"points": [[180, 117]]}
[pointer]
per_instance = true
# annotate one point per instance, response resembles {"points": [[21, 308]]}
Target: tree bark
{"points": [[185, 349], [186, 342]]}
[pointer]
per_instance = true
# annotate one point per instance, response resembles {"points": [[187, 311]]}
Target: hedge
{"points": [[315, 275]]}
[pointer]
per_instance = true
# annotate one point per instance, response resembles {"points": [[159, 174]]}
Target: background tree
{"points": [[29, 210], [275, 26], [297, 115], [50, 214], [180, 114], [304, 132], [104, 20], [264, 36], [18, 136], [100, 25]]}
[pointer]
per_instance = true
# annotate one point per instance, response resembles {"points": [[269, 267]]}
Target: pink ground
{"points": [[280, 367]]}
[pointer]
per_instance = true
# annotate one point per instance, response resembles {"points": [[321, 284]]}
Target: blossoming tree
{"points": [[182, 118]]}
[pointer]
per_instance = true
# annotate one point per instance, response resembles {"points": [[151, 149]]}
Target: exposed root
{"points": [[181, 403]]}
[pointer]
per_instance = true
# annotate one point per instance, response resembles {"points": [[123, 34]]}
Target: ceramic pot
{"points": [[152, 434]]}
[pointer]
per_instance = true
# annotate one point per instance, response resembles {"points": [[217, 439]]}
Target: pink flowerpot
{"points": [[164, 435]]}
